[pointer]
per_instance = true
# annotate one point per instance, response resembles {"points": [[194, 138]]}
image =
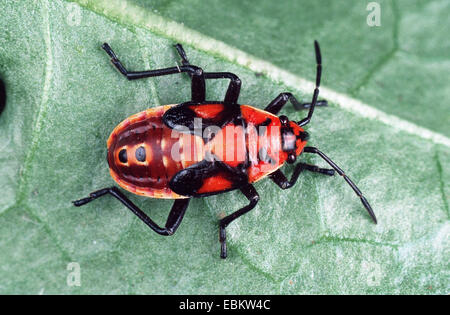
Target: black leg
{"points": [[234, 87], [252, 195], [306, 120], [278, 103], [182, 53], [173, 221], [198, 79], [347, 179], [280, 179]]}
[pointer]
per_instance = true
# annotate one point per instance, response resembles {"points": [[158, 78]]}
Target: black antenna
{"points": [[347, 179], [306, 120]]}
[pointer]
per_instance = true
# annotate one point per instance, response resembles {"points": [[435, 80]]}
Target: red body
{"points": [[257, 144]]}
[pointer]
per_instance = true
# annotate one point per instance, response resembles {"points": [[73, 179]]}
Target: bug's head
{"points": [[293, 138]]}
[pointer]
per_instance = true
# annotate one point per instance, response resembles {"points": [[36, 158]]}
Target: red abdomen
{"points": [[144, 154]]}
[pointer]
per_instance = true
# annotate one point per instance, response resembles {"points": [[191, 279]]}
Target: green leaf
{"points": [[64, 98]]}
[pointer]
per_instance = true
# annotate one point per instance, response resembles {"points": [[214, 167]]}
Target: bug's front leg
{"points": [[252, 195], [280, 179], [281, 100], [278, 103]]}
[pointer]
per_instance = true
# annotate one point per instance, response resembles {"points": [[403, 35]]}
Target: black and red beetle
{"points": [[201, 148]]}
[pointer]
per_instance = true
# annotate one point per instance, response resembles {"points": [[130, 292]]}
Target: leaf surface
{"points": [[64, 98]]}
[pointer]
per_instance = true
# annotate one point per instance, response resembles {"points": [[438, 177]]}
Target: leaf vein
{"points": [[42, 108], [441, 183], [384, 59]]}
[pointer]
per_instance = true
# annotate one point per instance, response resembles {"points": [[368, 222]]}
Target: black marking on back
{"points": [[189, 180], [123, 156], [304, 136], [181, 117]]}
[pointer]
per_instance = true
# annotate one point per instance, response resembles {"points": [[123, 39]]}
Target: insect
{"points": [[207, 160]]}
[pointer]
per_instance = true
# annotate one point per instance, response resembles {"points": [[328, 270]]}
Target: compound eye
{"points": [[291, 158], [123, 156], [283, 119]]}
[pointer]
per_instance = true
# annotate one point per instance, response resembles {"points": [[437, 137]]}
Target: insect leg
{"points": [[278, 103], [280, 179], [176, 215], [234, 87], [347, 179], [182, 53], [252, 195], [198, 80], [173, 221]]}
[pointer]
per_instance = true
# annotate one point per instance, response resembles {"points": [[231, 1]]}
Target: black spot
{"points": [[267, 122], [140, 154], [123, 156], [262, 127], [304, 136], [284, 120], [291, 158]]}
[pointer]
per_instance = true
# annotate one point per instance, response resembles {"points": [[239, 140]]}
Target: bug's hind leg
{"points": [[278, 103], [280, 179], [198, 87], [252, 195], [182, 53], [234, 88], [173, 221]]}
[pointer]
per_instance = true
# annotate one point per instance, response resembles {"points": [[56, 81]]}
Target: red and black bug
{"points": [[200, 148]]}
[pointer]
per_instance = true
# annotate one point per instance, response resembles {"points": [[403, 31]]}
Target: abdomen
{"points": [[144, 154]]}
